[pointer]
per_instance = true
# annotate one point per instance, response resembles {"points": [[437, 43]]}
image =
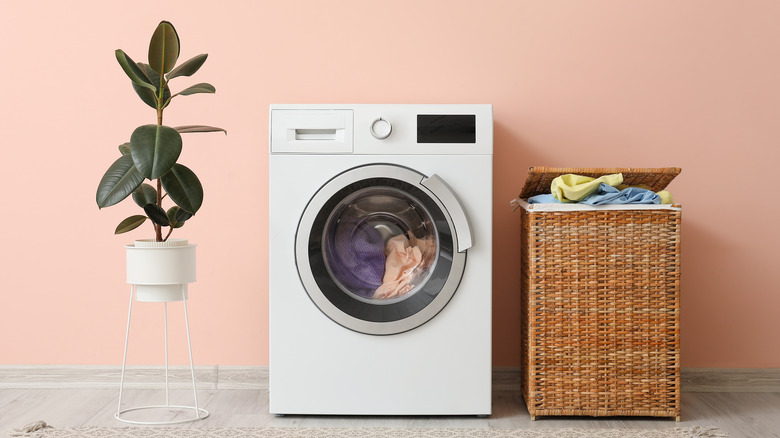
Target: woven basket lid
{"points": [[540, 178]]}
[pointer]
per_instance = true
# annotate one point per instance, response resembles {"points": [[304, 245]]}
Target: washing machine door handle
{"points": [[436, 185]]}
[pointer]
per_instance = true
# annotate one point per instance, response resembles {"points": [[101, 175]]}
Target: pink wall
{"points": [[692, 84]]}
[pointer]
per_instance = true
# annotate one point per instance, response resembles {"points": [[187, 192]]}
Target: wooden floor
{"points": [[740, 414]]}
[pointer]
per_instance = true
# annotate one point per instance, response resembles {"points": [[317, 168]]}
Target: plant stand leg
{"points": [[165, 331], [124, 356], [189, 348]]}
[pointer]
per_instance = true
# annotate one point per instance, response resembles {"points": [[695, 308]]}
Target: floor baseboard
{"points": [[256, 377], [691, 379], [730, 379], [136, 377]]}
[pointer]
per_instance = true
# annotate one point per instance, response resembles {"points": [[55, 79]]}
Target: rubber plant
{"points": [[153, 150]]}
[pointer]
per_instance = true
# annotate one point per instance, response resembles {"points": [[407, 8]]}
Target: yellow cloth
{"points": [[666, 197], [574, 188]]}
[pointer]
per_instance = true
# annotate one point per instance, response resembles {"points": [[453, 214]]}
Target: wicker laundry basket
{"points": [[600, 302]]}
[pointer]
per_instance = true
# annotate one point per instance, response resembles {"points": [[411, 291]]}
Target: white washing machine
{"points": [[380, 259]]}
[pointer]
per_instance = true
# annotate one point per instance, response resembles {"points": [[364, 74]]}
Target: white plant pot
{"points": [[160, 271]]}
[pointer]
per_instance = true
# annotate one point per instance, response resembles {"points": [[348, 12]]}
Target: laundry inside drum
{"points": [[380, 245]]}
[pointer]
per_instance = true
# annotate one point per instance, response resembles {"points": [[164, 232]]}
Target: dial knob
{"points": [[381, 129]]}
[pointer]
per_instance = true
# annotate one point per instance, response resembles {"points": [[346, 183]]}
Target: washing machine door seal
{"points": [[353, 224]]}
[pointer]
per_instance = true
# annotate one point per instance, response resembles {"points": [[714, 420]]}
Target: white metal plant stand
{"points": [[160, 274]]}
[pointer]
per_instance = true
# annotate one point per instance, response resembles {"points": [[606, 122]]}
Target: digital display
{"points": [[446, 128]]}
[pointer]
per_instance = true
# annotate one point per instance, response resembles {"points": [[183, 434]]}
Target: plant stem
{"points": [[158, 228], [169, 234], [160, 103], [160, 107]]}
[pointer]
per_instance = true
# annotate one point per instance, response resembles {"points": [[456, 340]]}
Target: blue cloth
{"points": [[543, 199], [606, 194]]}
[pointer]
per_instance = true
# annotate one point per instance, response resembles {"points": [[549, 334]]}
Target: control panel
{"points": [[382, 129]]}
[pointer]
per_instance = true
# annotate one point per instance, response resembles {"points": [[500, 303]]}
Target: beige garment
{"points": [[402, 260]]}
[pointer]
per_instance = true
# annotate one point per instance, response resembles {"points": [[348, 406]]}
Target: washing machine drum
{"points": [[377, 248]]}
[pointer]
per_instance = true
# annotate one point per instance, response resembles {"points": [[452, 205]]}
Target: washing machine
{"points": [[380, 259]]}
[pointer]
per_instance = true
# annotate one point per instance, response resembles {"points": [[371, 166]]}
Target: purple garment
{"points": [[355, 253]]}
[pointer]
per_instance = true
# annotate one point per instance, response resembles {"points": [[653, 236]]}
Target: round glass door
{"points": [[376, 250]]}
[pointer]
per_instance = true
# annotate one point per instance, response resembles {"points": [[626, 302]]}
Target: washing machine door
{"points": [[381, 248]]}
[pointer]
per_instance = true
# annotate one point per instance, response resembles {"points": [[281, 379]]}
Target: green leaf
{"points": [[118, 182], [130, 224], [197, 89], [184, 188], [154, 77], [132, 70], [155, 149], [164, 48], [177, 216], [144, 194], [183, 215], [124, 148], [189, 67], [148, 96], [157, 215], [198, 128]]}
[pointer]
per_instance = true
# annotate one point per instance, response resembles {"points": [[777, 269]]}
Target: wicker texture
{"points": [[540, 178], [600, 312]]}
